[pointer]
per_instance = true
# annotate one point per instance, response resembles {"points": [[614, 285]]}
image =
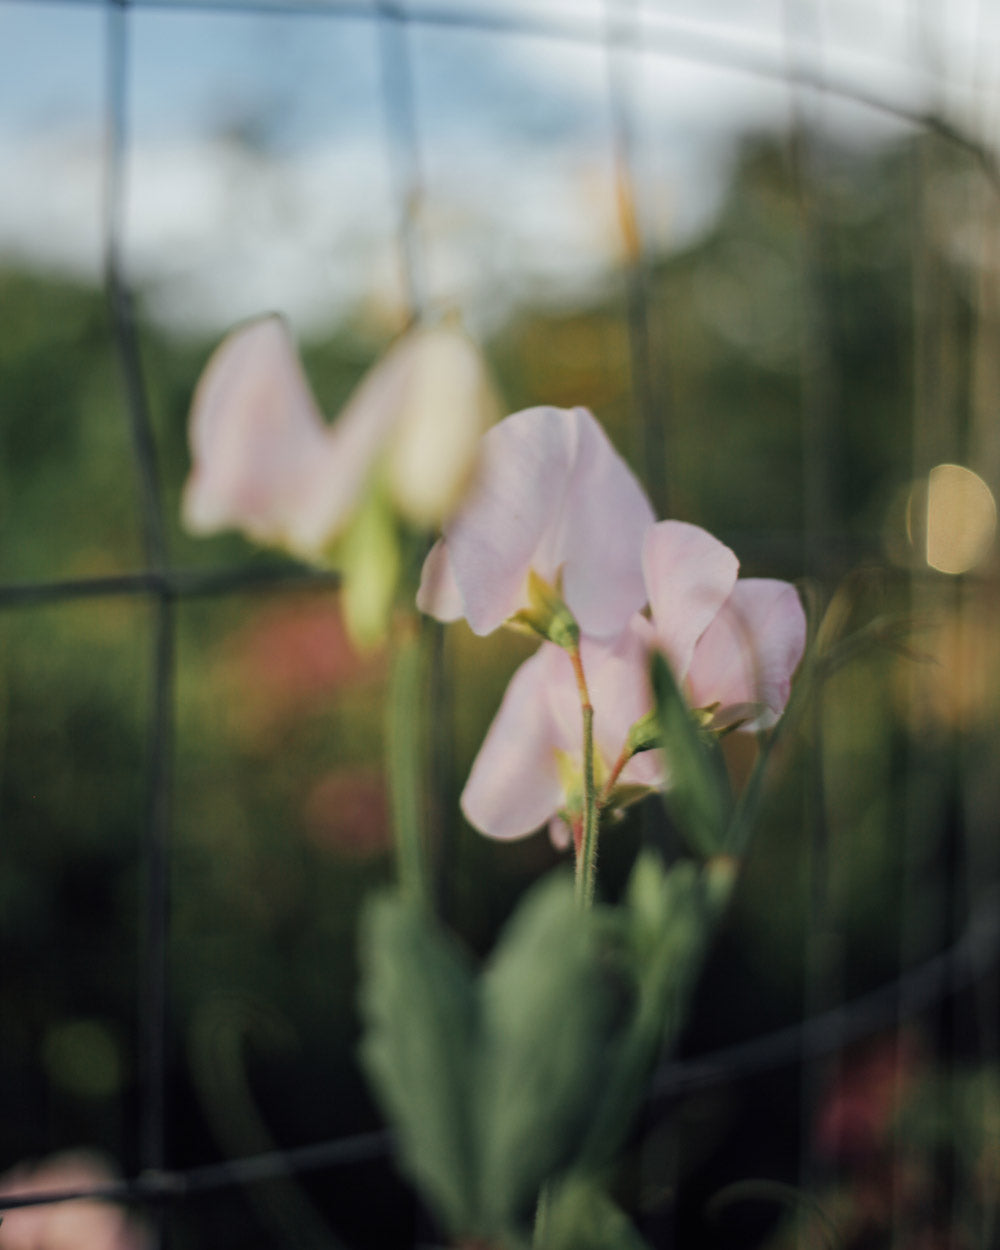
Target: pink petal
{"points": [[439, 595], [620, 690], [751, 650], [552, 496], [424, 406], [560, 834], [617, 676], [448, 406], [514, 785], [597, 536], [689, 576], [260, 446], [524, 465]]}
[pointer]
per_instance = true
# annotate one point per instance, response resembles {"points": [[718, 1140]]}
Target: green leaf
{"points": [[698, 797], [550, 1004], [419, 1011], [667, 920], [580, 1216]]}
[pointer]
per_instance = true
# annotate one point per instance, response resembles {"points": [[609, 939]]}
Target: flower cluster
{"points": [[558, 535]]}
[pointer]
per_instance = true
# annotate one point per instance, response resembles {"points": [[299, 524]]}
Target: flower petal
{"points": [[524, 464], [438, 594], [689, 576], [597, 537], [620, 690], [514, 785], [449, 403], [552, 496], [751, 650], [618, 682], [260, 447]]}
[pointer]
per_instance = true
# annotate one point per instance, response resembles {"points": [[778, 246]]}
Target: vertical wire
{"points": [[403, 148], [650, 414], [402, 144], [821, 989], [402, 140], [978, 788], [978, 795], [923, 907], [153, 988]]}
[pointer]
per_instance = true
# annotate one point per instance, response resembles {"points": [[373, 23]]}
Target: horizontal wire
{"points": [[170, 583], [161, 1186], [973, 956]]}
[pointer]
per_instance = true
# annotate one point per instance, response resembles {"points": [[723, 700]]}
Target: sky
{"points": [[261, 171]]}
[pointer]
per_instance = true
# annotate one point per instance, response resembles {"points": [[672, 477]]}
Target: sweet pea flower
{"points": [[732, 643], [529, 770], [266, 462], [553, 507]]}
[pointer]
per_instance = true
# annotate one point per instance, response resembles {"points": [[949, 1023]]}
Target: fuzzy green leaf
{"points": [[550, 1004], [581, 1216]]}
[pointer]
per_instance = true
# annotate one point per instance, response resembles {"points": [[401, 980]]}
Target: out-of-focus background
{"points": [[759, 240]]}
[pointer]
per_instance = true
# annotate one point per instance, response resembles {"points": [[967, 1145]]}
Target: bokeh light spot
{"points": [[953, 517]]}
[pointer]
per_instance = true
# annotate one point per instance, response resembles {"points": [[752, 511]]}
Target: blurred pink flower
{"points": [[80, 1224], [856, 1117], [261, 450], [552, 498], [347, 812], [266, 462], [290, 657]]}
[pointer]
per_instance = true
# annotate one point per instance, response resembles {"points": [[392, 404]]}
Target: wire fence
{"points": [[622, 31]]}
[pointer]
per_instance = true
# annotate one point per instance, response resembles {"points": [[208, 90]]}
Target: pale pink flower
{"points": [[733, 646], [554, 499], [530, 766], [81, 1224], [266, 462]]}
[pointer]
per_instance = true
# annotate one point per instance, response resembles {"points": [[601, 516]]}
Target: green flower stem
{"points": [[404, 751], [586, 858]]}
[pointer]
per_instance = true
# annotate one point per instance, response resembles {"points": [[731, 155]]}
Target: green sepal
{"points": [[547, 613], [698, 796], [368, 557], [645, 734], [418, 1006]]}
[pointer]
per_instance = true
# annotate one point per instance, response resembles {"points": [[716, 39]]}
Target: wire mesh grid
{"points": [[620, 30]]}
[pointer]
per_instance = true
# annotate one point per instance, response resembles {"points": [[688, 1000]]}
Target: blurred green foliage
{"points": [[875, 836]]}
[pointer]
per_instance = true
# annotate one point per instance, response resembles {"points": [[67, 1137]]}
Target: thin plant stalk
{"points": [[404, 752], [586, 858]]}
